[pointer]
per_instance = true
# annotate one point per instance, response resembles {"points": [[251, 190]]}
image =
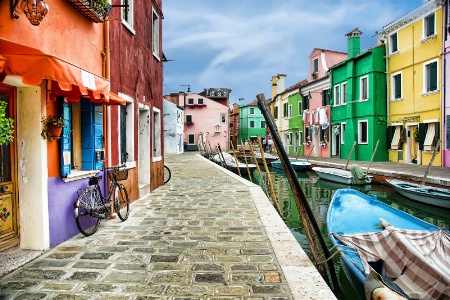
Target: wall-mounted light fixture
{"points": [[34, 10]]}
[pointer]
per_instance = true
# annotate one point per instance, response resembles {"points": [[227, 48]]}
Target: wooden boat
{"points": [[422, 193], [297, 164], [343, 176], [406, 251], [230, 163], [269, 158]]}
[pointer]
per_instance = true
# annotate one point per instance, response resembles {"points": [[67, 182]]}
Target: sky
{"points": [[241, 44]]}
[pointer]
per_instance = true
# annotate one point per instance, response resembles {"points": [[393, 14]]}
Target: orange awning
{"points": [[66, 78]]}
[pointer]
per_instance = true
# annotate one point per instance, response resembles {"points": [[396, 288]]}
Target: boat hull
{"points": [[422, 193], [297, 164], [338, 175]]}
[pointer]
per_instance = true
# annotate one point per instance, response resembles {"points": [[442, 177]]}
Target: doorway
{"points": [[9, 225]]}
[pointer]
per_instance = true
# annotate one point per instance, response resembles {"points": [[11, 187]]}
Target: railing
{"points": [[93, 10]]}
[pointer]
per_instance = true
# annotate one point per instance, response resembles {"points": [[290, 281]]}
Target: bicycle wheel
{"points": [[121, 202], [167, 174], [86, 211]]}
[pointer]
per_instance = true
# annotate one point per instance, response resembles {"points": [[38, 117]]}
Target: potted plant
{"points": [[6, 125], [53, 127]]}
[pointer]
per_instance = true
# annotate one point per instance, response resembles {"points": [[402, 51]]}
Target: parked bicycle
{"points": [[167, 174], [92, 207]]}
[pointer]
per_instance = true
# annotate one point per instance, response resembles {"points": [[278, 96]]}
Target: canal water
{"points": [[319, 193]]}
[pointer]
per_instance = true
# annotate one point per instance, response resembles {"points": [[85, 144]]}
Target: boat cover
{"points": [[358, 176], [417, 261]]}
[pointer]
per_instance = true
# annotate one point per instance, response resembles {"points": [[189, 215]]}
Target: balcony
{"points": [[96, 11]]}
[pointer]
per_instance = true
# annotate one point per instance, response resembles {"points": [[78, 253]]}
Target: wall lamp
{"points": [[34, 10]]}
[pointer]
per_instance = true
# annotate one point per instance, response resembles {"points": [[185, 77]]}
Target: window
{"points": [[200, 100], [275, 112], [190, 101], [191, 138], [429, 25], [393, 45], [342, 133], [263, 124], [430, 77], [127, 14], [188, 118], [126, 130], [290, 111], [300, 140], [362, 132], [344, 93], [155, 35], [300, 108], [315, 65], [364, 88], [428, 135], [395, 133], [325, 97], [337, 95], [252, 124], [156, 135], [223, 118], [308, 134], [285, 109], [252, 110], [324, 134], [397, 86], [290, 138], [82, 139], [305, 102]]}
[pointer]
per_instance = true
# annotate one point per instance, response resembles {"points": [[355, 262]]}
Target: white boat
{"points": [[297, 164], [342, 176], [230, 163], [422, 193]]}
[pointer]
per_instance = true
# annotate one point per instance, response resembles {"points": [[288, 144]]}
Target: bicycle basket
{"points": [[120, 174]]}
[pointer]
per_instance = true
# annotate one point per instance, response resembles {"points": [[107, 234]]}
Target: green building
{"points": [[358, 110], [295, 122], [251, 123]]}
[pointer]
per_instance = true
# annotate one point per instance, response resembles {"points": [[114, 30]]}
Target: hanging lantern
{"points": [[35, 10]]}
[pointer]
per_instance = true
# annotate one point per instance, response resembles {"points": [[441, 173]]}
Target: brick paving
{"points": [[207, 234]]}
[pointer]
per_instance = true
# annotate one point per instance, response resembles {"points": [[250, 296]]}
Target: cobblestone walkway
{"points": [[201, 236]]}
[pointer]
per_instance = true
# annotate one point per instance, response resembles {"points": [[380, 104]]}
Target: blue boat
{"points": [[373, 236], [297, 164]]}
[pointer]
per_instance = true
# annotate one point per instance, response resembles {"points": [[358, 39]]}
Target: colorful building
{"points": [[234, 126], [295, 132], [445, 146], [414, 89], [251, 123], [358, 108], [315, 105], [173, 128]]}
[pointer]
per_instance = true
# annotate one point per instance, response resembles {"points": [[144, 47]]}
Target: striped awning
{"points": [[429, 138], [395, 143]]}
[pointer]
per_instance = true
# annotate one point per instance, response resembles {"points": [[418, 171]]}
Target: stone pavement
{"points": [[205, 235]]}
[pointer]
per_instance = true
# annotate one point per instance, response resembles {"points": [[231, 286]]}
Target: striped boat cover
{"points": [[417, 261]]}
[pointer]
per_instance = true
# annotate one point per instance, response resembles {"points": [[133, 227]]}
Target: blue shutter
{"points": [[91, 135], [66, 139]]}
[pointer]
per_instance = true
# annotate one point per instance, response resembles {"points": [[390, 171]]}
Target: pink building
{"points": [[206, 122], [316, 95], [446, 98]]}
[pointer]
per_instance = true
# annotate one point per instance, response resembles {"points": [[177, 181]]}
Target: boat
{"points": [[297, 164], [228, 161], [354, 176], [408, 253], [269, 158], [422, 193]]}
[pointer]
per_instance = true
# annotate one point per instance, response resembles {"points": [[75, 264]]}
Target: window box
{"points": [[96, 11], [189, 123]]}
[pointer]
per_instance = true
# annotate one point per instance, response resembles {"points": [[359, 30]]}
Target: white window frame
{"points": [[337, 90], [156, 135], [393, 86], [129, 24], [360, 133], [262, 124], [391, 43], [427, 36], [343, 132], [361, 86], [251, 111], [343, 93], [251, 124], [425, 77], [155, 34]]}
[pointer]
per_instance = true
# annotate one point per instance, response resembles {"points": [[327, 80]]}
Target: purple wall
{"points": [[61, 196]]}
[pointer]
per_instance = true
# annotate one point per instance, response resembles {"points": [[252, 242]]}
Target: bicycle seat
{"points": [[95, 179]]}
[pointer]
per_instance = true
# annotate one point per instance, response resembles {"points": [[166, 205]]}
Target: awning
{"points": [[395, 143], [67, 79]]}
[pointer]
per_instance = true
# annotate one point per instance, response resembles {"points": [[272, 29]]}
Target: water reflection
{"points": [[319, 193]]}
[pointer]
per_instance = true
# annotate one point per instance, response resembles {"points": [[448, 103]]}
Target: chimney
{"points": [[354, 43], [280, 83]]}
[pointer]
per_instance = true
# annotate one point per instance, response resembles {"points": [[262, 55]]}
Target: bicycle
{"points": [[167, 174], [91, 207]]}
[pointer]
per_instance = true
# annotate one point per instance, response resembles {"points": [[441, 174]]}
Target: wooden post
{"points": [[350, 155], [235, 158], [246, 164], [371, 159], [257, 166], [436, 149], [310, 151], [269, 179]]}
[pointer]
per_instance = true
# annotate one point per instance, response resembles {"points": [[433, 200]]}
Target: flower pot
{"points": [[54, 131]]}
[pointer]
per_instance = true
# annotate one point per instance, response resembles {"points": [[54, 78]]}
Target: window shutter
{"points": [[398, 86], [430, 24], [324, 98], [437, 133], [123, 134], [91, 135], [433, 76], [448, 132], [390, 135], [422, 135], [66, 138], [305, 102]]}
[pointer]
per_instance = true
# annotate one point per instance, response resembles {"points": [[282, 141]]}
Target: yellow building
{"points": [[414, 64]]}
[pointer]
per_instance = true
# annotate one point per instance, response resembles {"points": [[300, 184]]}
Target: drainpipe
{"points": [[106, 111]]}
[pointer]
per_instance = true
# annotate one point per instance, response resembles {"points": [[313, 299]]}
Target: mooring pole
{"points": [[300, 198]]}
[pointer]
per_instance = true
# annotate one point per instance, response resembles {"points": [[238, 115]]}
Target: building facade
{"points": [[234, 126], [173, 128], [251, 123], [445, 146], [358, 89]]}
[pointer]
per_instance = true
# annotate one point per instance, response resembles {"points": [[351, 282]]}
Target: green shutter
{"points": [[422, 134], [430, 24], [433, 76], [390, 135], [123, 134], [397, 86]]}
